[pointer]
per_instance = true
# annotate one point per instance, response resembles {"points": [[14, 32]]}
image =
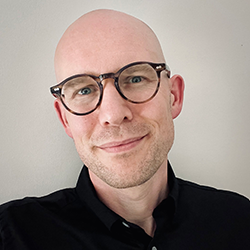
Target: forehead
{"points": [[103, 44]]}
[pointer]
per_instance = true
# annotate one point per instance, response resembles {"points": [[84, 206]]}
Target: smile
{"points": [[121, 146]]}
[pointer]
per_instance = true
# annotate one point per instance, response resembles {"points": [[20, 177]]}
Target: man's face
{"points": [[122, 143]]}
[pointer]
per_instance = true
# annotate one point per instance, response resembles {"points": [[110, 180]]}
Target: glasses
{"points": [[137, 82]]}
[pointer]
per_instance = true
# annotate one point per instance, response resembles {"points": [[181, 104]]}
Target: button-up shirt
{"points": [[191, 217]]}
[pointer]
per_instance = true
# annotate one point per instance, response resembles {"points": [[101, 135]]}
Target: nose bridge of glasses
{"points": [[103, 77], [115, 77]]}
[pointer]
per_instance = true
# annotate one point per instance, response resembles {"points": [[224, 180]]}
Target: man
{"points": [[117, 101]]}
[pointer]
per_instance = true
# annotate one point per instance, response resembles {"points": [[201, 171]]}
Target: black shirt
{"points": [[192, 217]]}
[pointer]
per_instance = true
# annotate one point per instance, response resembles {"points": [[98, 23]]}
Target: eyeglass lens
{"points": [[138, 83]]}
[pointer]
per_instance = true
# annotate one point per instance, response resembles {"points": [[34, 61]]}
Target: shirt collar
{"points": [[87, 194], [166, 210], [173, 185]]}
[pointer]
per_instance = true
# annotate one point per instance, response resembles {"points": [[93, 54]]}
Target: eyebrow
{"points": [[74, 81]]}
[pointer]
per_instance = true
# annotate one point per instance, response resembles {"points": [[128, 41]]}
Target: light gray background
{"points": [[206, 41]]}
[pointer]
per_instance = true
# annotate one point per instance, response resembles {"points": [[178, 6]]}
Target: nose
{"points": [[114, 110]]}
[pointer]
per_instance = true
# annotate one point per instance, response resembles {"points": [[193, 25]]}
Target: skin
{"points": [[124, 145]]}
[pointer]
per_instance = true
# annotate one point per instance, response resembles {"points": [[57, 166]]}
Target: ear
{"points": [[177, 94], [61, 112]]}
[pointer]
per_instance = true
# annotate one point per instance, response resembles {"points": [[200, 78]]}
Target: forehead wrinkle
{"points": [[104, 30]]}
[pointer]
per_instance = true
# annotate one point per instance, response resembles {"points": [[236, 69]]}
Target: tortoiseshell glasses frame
{"points": [[136, 82]]}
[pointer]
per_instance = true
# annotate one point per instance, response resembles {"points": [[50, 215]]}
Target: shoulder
{"points": [[211, 199], [33, 206], [215, 212], [34, 215], [202, 192], [33, 219]]}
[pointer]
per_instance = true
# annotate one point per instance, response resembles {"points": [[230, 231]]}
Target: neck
{"points": [[135, 204]]}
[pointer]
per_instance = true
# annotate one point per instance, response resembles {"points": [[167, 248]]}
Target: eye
{"points": [[85, 91], [136, 79]]}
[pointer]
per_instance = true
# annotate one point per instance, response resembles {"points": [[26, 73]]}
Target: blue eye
{"points": [[85, 91], [136, 79]]}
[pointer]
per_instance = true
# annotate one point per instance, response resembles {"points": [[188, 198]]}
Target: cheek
{"points": [[81, 128], [158, 111], [159, 108]]}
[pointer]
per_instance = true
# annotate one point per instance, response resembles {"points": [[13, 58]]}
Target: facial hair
{"points": [[131, 168]]}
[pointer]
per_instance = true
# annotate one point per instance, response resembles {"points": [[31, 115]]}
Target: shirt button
{"points": [[154, 248], [126, 225]]}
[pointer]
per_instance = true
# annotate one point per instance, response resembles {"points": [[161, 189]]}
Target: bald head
{"points": [[103, 41]]}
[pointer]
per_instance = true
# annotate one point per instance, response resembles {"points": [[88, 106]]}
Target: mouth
{"points": [[121, 146]]}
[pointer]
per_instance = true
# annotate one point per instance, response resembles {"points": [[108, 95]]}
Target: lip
{"points": [[121, 146]]}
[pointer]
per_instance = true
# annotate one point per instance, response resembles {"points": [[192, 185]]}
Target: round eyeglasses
{"points": [[137, 82]]}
